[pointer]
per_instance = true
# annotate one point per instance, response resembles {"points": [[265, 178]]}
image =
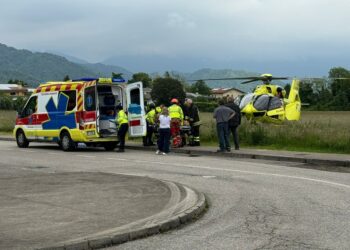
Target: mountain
{"points": [[105, 70], [36, 67], [223, 73], [208, 73]]}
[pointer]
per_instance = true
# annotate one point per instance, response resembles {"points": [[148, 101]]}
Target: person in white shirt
{"points": [[164, 132]]}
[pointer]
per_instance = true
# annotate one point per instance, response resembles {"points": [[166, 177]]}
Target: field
{"points": [[318, 131], [7, 120]]}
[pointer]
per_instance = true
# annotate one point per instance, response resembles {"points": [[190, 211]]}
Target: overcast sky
{"points": [[294, 36]]}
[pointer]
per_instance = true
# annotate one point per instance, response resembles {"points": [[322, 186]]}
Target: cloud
{"points": [[219, 30], [176, 20]]}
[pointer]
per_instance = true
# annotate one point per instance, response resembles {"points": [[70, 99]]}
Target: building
{"points": [[219, 93], [14, 90]]}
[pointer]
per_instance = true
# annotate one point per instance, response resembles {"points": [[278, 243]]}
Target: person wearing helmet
{"points": [[177, 116], [123, 126], [151, 120]]}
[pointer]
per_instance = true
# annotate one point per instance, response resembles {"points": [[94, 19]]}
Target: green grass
{"points": [[7, 121], [318, 131]]}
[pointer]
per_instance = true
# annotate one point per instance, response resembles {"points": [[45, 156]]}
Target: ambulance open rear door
{"points": [[136, 110]]}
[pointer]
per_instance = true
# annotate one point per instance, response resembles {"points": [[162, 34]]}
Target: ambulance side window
{"points": [[31, 107], [72, 99], [90, 99], [135, 96]]}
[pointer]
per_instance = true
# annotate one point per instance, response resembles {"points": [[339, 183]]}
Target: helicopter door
{"points": [[136, 110]]}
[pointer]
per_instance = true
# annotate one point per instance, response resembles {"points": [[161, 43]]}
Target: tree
{"points": [[287, 89], [306, 92], [340, 85], [164, 89], [18, 82], [201, 87], [143, 77], [66, 78]]}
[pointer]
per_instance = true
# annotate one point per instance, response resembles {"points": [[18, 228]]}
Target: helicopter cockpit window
{"points": [[262, 102], [275, 103], [245, 100]]}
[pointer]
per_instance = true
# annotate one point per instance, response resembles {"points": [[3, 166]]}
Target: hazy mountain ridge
{"points": [[37, 67]]}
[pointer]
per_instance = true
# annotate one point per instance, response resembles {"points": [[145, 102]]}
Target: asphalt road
{"points": [[253, 204]]}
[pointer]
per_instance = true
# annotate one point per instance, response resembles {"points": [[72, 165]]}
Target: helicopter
{"points": [[268, 102]]}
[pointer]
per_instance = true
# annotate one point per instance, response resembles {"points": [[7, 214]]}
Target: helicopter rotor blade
{"points": [[222, 79], [250, 79], [254, 80]]}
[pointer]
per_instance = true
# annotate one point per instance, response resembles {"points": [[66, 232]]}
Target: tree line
{"points": [[328, 93], [331, 93]]}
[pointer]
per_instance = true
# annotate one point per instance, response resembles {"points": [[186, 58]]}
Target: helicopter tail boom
{"points": [[293, 102]]}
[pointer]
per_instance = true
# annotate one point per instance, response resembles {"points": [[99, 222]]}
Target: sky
{"points": [[289, 37]]}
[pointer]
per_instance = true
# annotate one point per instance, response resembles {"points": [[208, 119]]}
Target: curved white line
{"points": [[240, 171]]}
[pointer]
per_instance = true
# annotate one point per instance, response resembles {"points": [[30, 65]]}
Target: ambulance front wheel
{"points": [[67, 143], [109, 146], [21, 139]]}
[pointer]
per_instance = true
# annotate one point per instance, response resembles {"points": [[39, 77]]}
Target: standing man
{"points": [[235, 121], [223, 114], [191, 112], [122, 121], [177, 116], [150, 119]]}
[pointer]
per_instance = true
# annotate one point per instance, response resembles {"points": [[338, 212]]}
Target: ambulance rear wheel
{"points": [[21, 139], [67, 144], [109, 146]]}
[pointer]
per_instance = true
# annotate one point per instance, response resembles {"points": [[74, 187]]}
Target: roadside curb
{"points": [[189, 215], [244, 155], [261, 156]]}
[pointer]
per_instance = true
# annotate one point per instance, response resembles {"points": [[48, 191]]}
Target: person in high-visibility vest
{"points": [[123, 126], [151, 120], [177, 116]]}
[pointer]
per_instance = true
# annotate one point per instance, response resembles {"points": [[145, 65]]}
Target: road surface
{"points": [[253, 204]]}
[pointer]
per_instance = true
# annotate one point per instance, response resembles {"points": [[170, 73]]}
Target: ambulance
{"points": [[80, 111]]}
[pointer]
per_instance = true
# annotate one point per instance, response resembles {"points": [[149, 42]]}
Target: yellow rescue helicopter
{"points": [[269, 103]]}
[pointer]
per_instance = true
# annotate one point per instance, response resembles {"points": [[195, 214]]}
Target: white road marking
{"points": [[27, 151], [214, 168], [244, 171], [86, 156]]}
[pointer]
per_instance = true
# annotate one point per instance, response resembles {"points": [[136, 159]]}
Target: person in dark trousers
{"points": [[191, 113], [223, 114], [151, 120], [122, 121], [235, 121], [164, 132]]}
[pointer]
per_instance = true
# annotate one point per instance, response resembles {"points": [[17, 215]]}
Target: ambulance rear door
{"points": [[136, 110]]}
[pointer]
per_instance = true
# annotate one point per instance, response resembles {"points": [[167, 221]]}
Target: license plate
{"points": [[90, 133]]}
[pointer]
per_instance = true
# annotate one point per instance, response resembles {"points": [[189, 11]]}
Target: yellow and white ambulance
{"points": [[80, 111]]}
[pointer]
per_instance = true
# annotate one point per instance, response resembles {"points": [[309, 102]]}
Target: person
{"points": [[150, 120], [223, 114], [177, 116], [280, 93], [164, 132], [122, 121], [191, 112], [235, 121]]}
